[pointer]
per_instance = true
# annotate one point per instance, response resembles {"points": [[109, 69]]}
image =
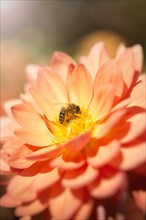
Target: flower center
{"points": [[73, 125]]}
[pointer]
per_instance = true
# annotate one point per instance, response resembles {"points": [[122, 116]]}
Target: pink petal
{"points": [[126, 63], [85, 210], [138, 93], [107, 185], [20, 188], [9, 104], [45, 178], [41, 104], [7, 128], [60, 63], [44, 153], [102, 102], [9, 202], [66, 165], [110, 73], [71, 180], [80, 86], [4, 167], [102, 129], [130, 157], [32, 208], [32, 73], [65, 204], [101, 215], [26, 116], [36, 136], [77, 143], [97, 56], [138, 57], [18, 158], [140, 199], [134, 131], [46, 81], [104, 154]]}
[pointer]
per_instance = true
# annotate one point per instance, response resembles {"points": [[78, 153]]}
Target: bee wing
{"points": [[59, 105]]}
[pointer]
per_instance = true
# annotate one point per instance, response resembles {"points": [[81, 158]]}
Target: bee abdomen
{"points": [[61, 117]]}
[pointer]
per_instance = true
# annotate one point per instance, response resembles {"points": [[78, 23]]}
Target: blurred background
{"points": [[31, 30]]}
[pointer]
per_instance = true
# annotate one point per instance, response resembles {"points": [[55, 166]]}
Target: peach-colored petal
{"points": [[60, 63], [52, 86], [36, 136], [100, 212], [110, 72], [134, 131], [32, 73], [75, 182], [85, 210], [9, 104], [107, 186], [130, 157], [42, 104], [18, 158], [44, 153], [126, 63], [114, 118], [65, 204], [4, 167], [7, 201], [77, 143], [33, 208], [45, 178], [102, 102], [140, 199], [138, 57], [97, 56], [80, 86], [138, 93], [104, 154], [20, 188], [7, 128], [66, 165]]}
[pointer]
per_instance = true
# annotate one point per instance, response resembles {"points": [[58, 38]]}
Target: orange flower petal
{"points": [[33, 208], [126, 63], [130, 157], [77, 143], [60, 63], [23, 191], [65, 204], [102, 102], [97, 56], [45, 178], [86, 177], [140, 199], [104, 154], [110, 72], [36, 136], [134, 132], [80, 86], [51, 86], [107, 186], [85, 210], [9, 202], [114, 118], [66, 165]]}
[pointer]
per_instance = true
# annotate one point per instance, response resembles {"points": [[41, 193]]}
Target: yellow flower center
{"points": [[72, 126]]}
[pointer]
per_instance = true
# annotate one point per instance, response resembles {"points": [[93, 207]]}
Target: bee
{"points": [[68, 113]]}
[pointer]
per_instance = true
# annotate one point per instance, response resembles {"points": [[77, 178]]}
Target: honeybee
{"points": [[68, 113]]}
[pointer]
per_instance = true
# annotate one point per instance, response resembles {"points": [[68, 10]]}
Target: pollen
{"points": [[70, 129]]}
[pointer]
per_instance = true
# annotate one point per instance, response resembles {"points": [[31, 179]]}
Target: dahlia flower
{"points": [[64, 163]]}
